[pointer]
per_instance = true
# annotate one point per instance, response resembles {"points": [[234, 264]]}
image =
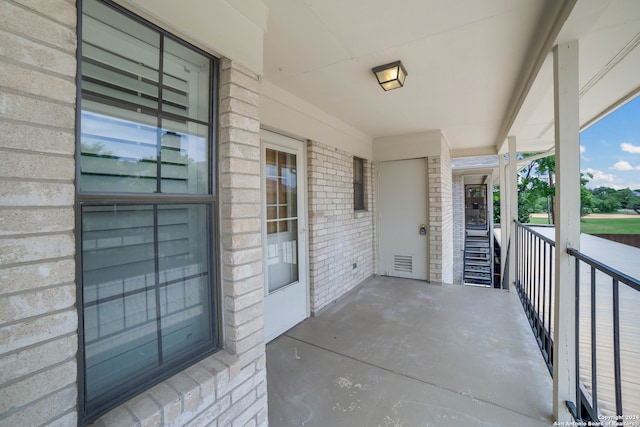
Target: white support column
{"points": [[513, 208], [504, 215], [567, 214]]}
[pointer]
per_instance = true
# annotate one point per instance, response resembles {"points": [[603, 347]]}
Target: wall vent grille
{"points": [[403, 263]]}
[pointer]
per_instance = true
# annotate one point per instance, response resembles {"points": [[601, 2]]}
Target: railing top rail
{"points": [[617, 275], [537, 234]]}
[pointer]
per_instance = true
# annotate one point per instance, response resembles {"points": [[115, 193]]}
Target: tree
{"points": [[608, 200], [587, 201], [537, 181], [625, 198], [496, 204], [605, 200], [537, 188]]}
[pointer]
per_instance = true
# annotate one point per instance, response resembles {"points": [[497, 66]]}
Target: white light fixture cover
{"points": [[390, 76]]}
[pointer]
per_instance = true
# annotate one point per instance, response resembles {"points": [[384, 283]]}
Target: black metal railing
{"points": [[611, 330], [534, 284], [607, 337]]}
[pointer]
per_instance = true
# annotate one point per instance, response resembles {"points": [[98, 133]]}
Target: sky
{"points": [[610, 149]]}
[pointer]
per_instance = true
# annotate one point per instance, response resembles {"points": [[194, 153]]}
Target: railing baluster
{"points": [[551, 284], [528, 277], [538, 318], [594, 372], [525, 275], [516, 254], [546, 327], [577, 320], [616, 345], [532, 294]]}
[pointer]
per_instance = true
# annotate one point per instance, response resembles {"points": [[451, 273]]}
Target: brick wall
{"points": [[38, 319], [447, 214], [435, 218], [458, 228], [339, 237], [440, 217]]}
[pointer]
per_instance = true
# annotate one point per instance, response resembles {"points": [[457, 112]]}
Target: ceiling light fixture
{"points": [[390, 76]]}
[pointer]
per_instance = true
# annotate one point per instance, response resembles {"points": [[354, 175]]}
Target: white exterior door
{"points": [[286, 289], [402, 213]]}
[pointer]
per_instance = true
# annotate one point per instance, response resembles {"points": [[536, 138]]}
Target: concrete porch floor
{"points": [[405, 353]]}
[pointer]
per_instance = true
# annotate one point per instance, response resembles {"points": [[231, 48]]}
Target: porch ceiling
{"points": [[468, 62]]}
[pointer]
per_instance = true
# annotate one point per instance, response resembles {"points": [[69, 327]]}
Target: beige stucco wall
{"points": [[232, 29], [409, 146], [285, 113]]}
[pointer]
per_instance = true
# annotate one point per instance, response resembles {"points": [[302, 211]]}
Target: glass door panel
{"points": [[282, 218]]}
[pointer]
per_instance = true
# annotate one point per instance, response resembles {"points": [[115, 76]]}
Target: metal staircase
{"points": [[477, 260]]}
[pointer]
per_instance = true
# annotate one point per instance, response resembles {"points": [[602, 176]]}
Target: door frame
{"points": [[271, 139]]}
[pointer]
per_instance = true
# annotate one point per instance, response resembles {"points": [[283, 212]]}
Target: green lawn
{"points": [[536, 220], [610, 225], [603, 225]]}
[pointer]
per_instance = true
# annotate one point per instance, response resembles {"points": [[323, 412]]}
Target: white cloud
{"points": [[630, 148], [582, 148], [622, 165], [599, 178]]}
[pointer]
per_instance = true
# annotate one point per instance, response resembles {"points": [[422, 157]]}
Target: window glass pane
{"points": [[281, 189], [120, 62], [118, 295], [146, 296], [282, 212], [184, 277], [282, 255], [358, 192], [185, 158], [358, 170], [117, 155], [358, 184], [120, 141], [186, 76]]}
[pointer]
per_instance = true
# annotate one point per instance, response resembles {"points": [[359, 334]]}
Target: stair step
{"points": [[477, 277], [478, 250], [477, 243], [480, 257], [477, 260], [486, 270], [477, 267]]}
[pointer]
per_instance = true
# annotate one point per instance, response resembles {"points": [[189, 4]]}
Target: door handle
{"points": [[423, 230]]}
